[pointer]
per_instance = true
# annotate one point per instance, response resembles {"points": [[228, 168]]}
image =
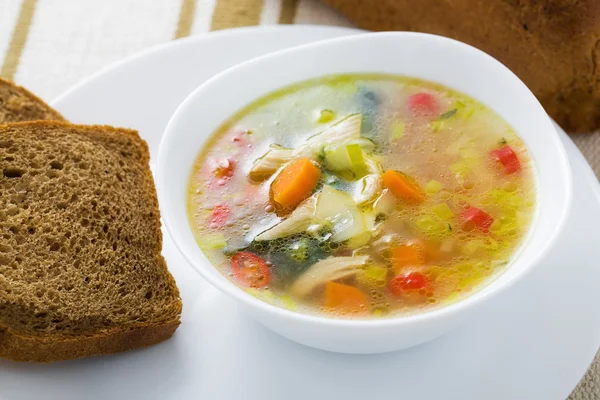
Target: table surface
{"points": [[45, 47]]}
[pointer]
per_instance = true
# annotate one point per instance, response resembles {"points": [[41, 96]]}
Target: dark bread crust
{"points": [[552, 45], [80, 319], [18, 104], [16, 347]]}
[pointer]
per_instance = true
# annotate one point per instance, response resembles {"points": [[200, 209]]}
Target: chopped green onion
{"points": [[504, 199], [398, 129], [214, 241], [326, 116], [504, 226], [468, 113], [288, 302], [431, 226], [376, 273], [460, 167], [359, 167], [442, 211], [432, 187], [373, 276], [436, 125], [464, 110], [346, 160], [427, 223], [472, 246]]}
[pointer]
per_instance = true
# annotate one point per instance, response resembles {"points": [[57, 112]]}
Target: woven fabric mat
{"points": [[49, 45]]}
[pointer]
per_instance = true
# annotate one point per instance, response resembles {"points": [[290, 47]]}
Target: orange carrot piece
{"points": [[402, 186], [410, 254], [295, 183], [345, 298]]}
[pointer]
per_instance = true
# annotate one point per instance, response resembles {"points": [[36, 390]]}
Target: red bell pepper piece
{"points": [[508, 158]]}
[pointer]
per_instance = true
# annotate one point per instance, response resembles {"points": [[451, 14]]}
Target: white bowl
{"points": [[428, 57]]}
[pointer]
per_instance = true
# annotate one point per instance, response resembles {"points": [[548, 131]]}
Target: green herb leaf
{"points": [[321, 154], [448, 114]]}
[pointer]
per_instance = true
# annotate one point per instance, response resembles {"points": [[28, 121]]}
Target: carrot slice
{"points": [[345, 298], [295, 183], [402, 186], [409, 254]]}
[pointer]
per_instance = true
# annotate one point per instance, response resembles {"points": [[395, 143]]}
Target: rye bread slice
{"points": [[18, 104], [552, 45], [81, 271]]}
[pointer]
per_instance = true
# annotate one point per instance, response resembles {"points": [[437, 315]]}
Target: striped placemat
{"points": [[49, 45]]}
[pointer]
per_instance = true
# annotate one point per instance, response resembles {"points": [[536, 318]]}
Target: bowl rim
{"points": [[228, 287]]}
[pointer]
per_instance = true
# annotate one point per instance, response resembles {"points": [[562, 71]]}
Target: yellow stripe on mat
{"points": [[287, 15], [236, 13], [18, 40], [186, 18]]}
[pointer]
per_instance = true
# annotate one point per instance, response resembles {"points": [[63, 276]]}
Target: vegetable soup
{"points": [[362, 196]]}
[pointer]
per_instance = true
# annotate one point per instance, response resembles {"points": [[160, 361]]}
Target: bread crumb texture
{"points": [[80, 246]]}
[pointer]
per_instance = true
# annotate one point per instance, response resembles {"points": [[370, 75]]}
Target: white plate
{"points": [[534, 342]]}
